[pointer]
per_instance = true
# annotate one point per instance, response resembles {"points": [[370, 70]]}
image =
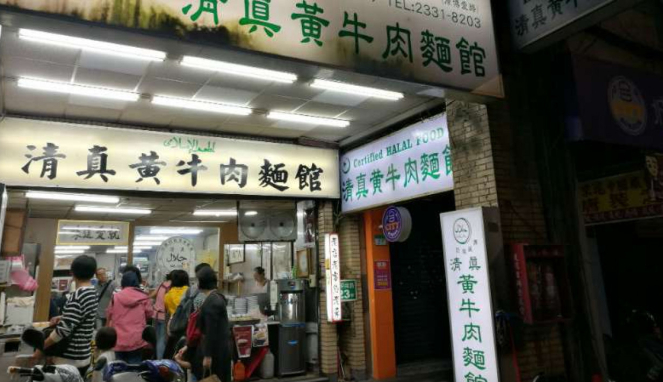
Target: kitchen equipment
{"points": [[291, 355], [292, 301]]}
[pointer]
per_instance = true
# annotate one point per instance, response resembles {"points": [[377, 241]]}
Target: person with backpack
{"points": [[177, 314], [128, 313], [159, 295]]}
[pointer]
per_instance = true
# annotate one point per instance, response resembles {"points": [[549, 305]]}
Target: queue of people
{"points": [[191, 322]]}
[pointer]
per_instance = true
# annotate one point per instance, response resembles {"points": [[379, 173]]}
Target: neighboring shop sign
{"points": [[348, 290], [410, 163], [618, 105], [333, 277], [50, 154], [532, 20], [175, 253], [380, 240], [468, 291], [3, 208], [432, 41], [396, 224], [623, 197], [84, 232], [382, 274]]}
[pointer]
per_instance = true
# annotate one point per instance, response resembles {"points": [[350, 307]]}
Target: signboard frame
{"points": [[344, 283], [333, 278], [120, 226]]}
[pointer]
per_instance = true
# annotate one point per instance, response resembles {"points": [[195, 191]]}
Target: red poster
{"points": [[243, 340], [382, 270]]}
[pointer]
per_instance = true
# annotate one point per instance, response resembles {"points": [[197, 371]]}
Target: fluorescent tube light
{"points": [[142, 247], [300, 118], [91, 45], [70, 252], [121, 251], [251, 213], [213, 107], [111, 210], [150, 238], [72, 197], [94, 229], [216, 213], [84, 90], [238, 70], [356, 90], [71, 247], [148, 243], [175, 231]]}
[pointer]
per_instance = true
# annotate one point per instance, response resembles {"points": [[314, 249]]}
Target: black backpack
{"points": [[179, 320]]}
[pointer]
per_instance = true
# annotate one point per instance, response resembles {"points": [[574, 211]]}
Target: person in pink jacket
{"points": [[128, 313]]}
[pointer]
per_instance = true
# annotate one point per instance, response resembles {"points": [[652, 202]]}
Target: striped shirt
{"points": [[78, 323]]}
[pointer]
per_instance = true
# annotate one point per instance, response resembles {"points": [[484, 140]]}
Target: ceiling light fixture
{"points": [[150, 238], [175, 231], [70, 252], [71, 247], [148, 243], [356, 90], [216, 213], [72, 197], [238, 70], [213, 107], [308, 119], [111, 210], [91, 45], [84, 90], [121, 251], [250, 213]]}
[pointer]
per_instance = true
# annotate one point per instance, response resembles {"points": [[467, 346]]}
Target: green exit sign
{"points": [[349, 290]]}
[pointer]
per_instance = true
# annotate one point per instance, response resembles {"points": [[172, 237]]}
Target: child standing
{"points": [[105, 340]]}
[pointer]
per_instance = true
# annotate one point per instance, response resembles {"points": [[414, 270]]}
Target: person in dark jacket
{"points": [[212, 356]]}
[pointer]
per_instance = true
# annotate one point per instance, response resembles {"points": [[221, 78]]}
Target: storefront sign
{"points": [[333, 278], [468, 291], [382, 274], [380, 240], [431, 41], [175, 253], [84, 232], [50, 154], [349, 290], [410, 163], [617, 105], [532, 20], [396, 224], [619, 198]]}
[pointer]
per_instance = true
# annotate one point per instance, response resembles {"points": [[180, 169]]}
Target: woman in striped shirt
{"points": [[75, 328]]}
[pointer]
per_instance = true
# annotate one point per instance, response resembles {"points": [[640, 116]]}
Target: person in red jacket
{"points": [[128, 313]]}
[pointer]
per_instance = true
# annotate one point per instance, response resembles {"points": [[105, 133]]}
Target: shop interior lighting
{"points": [[147, 243], [150, 238], [216, 213], [199, 221], [356, 90], [208, 106], [68, 247], [83, 90], [70, 252], [72, 197], [251, 213], [142, 248], [111, 210], [308, 119], [91, 45], [118, 251], [238, 70], [175, 231]]}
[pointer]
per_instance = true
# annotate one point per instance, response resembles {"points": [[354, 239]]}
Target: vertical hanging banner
{"points": [[333, 277], [468, 290]]}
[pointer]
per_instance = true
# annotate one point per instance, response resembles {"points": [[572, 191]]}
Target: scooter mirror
{"points": [[33, 338]]}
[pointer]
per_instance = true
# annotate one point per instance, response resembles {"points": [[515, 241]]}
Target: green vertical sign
{"points": [[348, 290]]}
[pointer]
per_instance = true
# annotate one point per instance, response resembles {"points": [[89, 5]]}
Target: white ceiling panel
{"points": [[136, 115], [257, 120], [25, 67], [92, 60], [288, 125], [225, 95], [12, 46], [97, 103], [271, 102], [93, 113], [237, 82], [321, 109], [105, 78], [237, 128], [172, 70], [297, 90], [163, 86], [36, 102], [336, 98]]}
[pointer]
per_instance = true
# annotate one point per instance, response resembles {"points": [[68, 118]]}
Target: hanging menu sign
{"points": [[468, 290], [63, 155], [333, 278], [450, 43], [410, 163]]}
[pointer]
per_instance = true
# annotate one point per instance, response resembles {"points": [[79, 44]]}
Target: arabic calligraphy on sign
{"points": [[175, 253], [191, 145]]}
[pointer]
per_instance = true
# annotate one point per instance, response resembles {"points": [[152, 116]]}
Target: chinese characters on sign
{"points": [[333, 278], [535, 19], [446, 42], [412, 162], [382, 274], [49, 154], [468, 290], [83, 232]]}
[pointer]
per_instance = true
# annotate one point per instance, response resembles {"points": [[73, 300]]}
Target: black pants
{"points": [[171, 346]]}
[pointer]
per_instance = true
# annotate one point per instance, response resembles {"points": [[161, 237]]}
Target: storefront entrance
{"points": [[421, 315]]}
